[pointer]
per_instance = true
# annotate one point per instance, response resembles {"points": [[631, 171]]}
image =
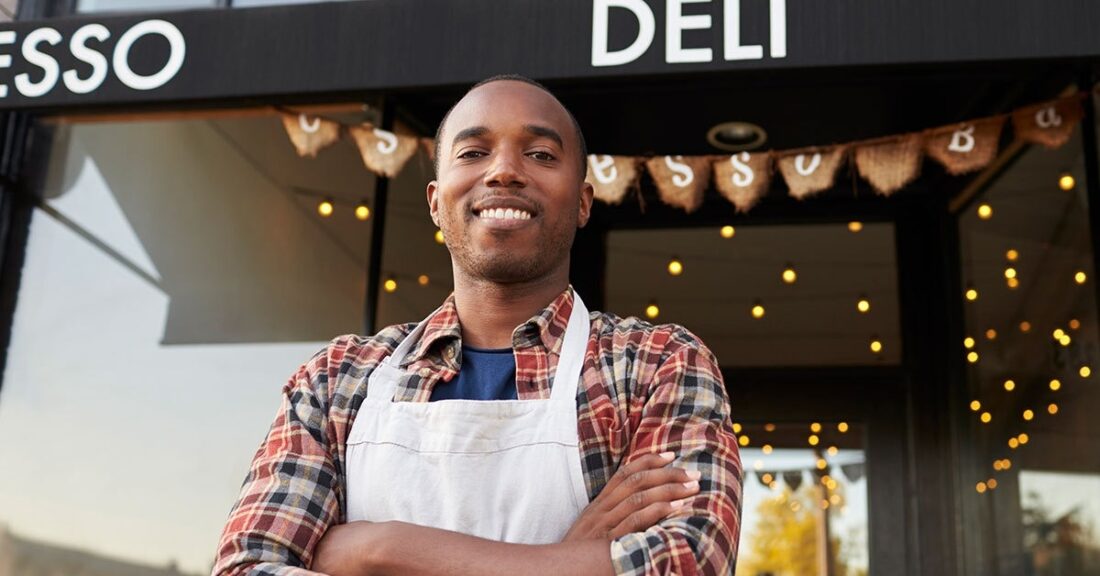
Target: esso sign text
{"points": [[78, 47]]}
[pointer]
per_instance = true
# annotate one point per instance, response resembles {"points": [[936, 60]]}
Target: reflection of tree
{"points": [[784, 541], [1058, 546]]}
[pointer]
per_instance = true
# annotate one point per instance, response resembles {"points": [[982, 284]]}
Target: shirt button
{"points": [[425, 372]]}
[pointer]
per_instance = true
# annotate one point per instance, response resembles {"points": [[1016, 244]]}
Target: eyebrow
{"points": [[545, 132], [468, 133]]}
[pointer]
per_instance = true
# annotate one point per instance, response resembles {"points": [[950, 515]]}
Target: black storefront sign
{"points": [[347, 47]]}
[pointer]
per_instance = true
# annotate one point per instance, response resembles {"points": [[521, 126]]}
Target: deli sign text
{"points": [[40, 53]]}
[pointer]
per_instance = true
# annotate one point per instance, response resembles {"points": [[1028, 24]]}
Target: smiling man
{"points": [[511, 431]]}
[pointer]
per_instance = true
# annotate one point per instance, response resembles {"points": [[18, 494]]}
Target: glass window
{"points": [[804, 501], [1033, 484], [806, 295], [176, 274]]}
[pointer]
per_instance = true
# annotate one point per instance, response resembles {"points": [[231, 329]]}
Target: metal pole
{"points": [[377, 235]]}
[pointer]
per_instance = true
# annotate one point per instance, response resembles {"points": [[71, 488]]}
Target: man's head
{"points": [[509, 192]]}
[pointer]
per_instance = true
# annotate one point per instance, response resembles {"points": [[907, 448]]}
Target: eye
{"points": [[542, 156], [469, 154]]}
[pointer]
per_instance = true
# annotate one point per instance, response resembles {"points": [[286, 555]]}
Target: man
{"points": [[510, 432]]}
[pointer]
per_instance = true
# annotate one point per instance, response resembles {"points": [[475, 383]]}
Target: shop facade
{"points": [[910, 374]]}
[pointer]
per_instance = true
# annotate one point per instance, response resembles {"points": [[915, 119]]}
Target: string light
{"points": [[1074, 324], [325, 208], [1055, 385], [439, 237], [728, 232], [1013, 443], [1052, 409], [1010, 273], [390, 285], [1023, 438], [1013, 283], [1012, 255], [985, 211], [736, 428], [992, 483], [971, 294], [1058, 333], [1028, 415], [975, 405], [813, 440], [423, 279], [815, 427], [991, 334], [767, 448], [758, 310], [986, 417], [767, 478], [743, 441], [833, 450], [1066, 182], [1025, 326], [968, 342], [863, 305], [362, 211], [980, 487], [1085, 371], [972, 357], [1080, 277], [675, 267], [842, 427], [789, 275], [1006, 464], [769, 427], [855, 226], [997, 465], [821, 464], [1010, 385], [652, 311], [876, 345], [1065, 340]]}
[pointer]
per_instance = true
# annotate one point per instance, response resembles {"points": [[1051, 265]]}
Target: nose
{"points": [[506, 171]]}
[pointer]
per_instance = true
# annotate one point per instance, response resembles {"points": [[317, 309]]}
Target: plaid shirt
{"points": [[644, 389]]}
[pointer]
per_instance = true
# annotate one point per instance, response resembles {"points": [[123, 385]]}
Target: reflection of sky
{"points": [[1063, 492], [848, 522], [111, 442]]}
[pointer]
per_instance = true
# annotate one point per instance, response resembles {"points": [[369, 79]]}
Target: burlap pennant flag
{"points": [[383, 152], [1051, 123], [965, 147], [890, 165], [681, 180], [810, 171], [310, 134], [611, 177], [743, 178], [793, 479]]}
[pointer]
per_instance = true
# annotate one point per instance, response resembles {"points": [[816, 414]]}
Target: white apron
{"points": [[506, 470]]}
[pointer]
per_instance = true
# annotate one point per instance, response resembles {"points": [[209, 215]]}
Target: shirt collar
{"points": [[442, 331]]}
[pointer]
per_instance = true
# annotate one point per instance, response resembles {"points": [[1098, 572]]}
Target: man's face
{"points": [[510, 191]]}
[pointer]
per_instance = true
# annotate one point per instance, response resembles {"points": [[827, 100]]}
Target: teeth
{"points": [[505, 213], [509, 214]]}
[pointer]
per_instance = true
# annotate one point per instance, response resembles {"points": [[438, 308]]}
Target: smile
{"points": [[502, 214]]}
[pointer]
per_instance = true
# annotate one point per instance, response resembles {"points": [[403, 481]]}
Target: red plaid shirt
{"points": [[644, 389]]}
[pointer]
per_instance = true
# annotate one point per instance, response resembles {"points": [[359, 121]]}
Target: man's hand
{"points": [[638, 496]]}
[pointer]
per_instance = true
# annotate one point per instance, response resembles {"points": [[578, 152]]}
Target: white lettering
{"points": [[387, 141], [44, 61], [78, 46], [675, 24], [732, 22], [647, 27], [683, 175], [7, 38], [600, 164], [802, 168], [778, 19], [308, 126], [962, 141], [177, 51], [742, 173], [1048, 118]]}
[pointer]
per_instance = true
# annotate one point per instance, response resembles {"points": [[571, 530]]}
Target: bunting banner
{"points": [[310, 134], [890, 165], [793, 478], [853, 472], [966, 147], [1049, 124], [612, 177], [812, 170], [681, 180], [383, 152], [743, 178]]}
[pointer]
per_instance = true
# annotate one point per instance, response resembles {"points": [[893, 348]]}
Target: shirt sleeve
{"points": [[289, 497], [687, 412]]}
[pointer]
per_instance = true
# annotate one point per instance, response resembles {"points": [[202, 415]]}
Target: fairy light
{"points": [[1025, 326], [997, 465], [1055, 385], [1028, 415], [833, 450], [863, 305], [767, 449], [325, 208], [1010, 273], [728, 232], [1080, 277], [390, 285], [758, 310], [972, 357], [975, 405], [815, 427], [362, 211], [652, 310], [769, 427], [985, 211], [986, 417], [743, 441], [968, 342], [1058, 333], [991, 334], [813, 440], [736, 428], [1023, 438], [876, 346], [1006, 464], [855, 226], [1066, 182], [842, 427], [1065, 340], [1085, 371], [971, 294], [1012, 255], [821, 464], [980, 487], [1074, 324], [1012, 283], [423, 279], [1052, 409], [789, 275], [675, 267], [439, 237], [1010, 385], [992, 483], [1013, 443]]}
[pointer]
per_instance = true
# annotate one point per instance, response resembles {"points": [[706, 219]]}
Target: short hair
{"points": [[514, 78]]}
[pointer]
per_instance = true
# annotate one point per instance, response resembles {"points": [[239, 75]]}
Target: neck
{"points": [[489, 312]]}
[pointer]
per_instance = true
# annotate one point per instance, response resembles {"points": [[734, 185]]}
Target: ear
{"points": [[433, 201], [585, 207]]}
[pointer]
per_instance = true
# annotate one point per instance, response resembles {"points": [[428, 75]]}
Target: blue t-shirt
{"points": [[484, 375]]}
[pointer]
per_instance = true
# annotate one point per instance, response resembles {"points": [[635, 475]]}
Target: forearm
{"points": [[407, 549]]}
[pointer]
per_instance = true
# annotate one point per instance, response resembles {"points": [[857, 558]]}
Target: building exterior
{"points": [[911, 374]]}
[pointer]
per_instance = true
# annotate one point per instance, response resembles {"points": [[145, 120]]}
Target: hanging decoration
{"points": [[888, 163], [793, 478], [612, 176], [310, 134], [384, 152], [681, 180], [743, 178]]}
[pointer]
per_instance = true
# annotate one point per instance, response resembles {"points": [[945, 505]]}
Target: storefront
{"points": [[911, 374]]}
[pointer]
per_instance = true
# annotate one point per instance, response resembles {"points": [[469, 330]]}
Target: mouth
{"points": [[503, 214], [504, 211]]}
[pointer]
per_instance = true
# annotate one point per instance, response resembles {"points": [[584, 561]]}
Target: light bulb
{"points": [[1012, 255], [390, 285], [423, 279], [985, 211], [758, 311], [325, 208], [1066, 182], [855, 226], [362, 211], [1080, 277], [728, 232], [652, 311], [675, 267], [789, 275], [971, 294], [1010, 385], [439, 237], [968, 342], [863, 305]]}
